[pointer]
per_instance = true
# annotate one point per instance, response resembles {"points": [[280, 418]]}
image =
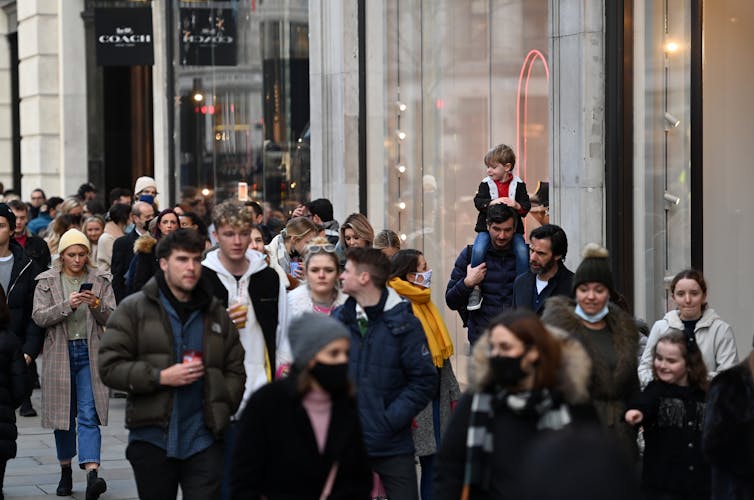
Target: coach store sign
{"points": [[208, 37], [123, 36]]}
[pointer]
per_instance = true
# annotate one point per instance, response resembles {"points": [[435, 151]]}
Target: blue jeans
{"points": [[520, 250], [230, 438], [83, 410]]}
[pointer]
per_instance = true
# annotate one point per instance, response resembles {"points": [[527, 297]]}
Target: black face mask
{"points": [[506, 370], [332, 378]]}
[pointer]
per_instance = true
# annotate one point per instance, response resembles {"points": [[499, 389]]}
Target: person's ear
{"points": [[164, 265], [532, 355]]}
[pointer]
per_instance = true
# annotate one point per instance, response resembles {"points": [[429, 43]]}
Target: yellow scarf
{"points": [[438, 338]]}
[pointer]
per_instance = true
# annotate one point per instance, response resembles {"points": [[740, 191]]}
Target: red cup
{"points": [[190, 355]]}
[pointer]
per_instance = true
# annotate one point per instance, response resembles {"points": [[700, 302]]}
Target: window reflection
{"points": [[251, 123]]}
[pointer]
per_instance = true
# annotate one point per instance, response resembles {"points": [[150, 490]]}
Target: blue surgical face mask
{"points": [[591, 318], [422, 279], [146, 198]]}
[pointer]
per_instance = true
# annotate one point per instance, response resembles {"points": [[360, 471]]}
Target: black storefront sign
{"points": [[208, 37], [124, 36]]}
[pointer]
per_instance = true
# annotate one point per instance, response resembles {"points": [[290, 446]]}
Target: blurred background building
{"points": [[636, 113]]}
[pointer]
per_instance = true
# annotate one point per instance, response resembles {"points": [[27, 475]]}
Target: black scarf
{"points": [[199, 300]]}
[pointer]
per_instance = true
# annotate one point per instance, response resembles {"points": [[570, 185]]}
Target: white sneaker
{"points": [[475, 299]]}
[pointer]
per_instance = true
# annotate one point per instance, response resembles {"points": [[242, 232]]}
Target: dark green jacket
{"points": [[138, 343]]}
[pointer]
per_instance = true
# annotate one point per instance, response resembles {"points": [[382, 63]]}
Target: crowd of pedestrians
{"points": [[304, 358]]}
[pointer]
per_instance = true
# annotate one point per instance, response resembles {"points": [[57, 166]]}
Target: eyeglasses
{"points": [[329, 248]]}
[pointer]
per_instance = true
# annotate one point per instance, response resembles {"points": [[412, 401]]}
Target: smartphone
{"points": [[85, 287]]}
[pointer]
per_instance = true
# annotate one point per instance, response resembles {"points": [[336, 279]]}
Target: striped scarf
{"points": [[538, 404]]}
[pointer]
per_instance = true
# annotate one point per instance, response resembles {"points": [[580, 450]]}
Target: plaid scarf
{"points": [[538, 405]]}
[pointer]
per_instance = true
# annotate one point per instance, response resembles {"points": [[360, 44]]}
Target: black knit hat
{"points": [[6, 212], [594, 268]]}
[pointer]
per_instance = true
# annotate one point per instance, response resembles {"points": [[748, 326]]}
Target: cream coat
{"points": [[51, 309], [713, 336]]}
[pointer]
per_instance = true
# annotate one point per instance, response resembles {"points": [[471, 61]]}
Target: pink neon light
{"points": [[532, 56]]}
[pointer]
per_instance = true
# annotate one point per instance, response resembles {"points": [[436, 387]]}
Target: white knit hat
{"points": [[144, 182], [73, 237]]}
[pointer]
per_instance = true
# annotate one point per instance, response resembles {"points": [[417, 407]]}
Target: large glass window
{"points": [[662, 161], [459, 77], [242, 100]]}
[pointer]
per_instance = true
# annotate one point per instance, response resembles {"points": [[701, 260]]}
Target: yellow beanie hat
{"points": [[73, 237]]}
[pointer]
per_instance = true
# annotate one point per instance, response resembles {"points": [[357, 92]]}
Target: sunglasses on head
{"points": [[329, 248]]}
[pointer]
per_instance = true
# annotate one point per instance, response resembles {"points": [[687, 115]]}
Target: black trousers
{"points": [[157, 476], [398, 476]]}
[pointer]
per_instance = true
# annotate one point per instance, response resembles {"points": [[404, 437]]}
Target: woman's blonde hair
{"points": [[298, 227], [322, 242], [360, 225], [69, 204], [60, 225], [93, 218]]}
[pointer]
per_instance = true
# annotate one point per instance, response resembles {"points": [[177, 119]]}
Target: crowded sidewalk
{"points": [[35, 472]]}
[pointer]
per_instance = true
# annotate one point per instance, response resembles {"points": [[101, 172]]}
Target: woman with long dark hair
{"points": [[144, 263], [523, 381]]}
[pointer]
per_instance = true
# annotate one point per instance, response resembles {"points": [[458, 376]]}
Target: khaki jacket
{"points": [[139, 343]]}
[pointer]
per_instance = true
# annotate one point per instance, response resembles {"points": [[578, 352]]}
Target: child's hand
{"points": [[510, 202], [475, 275], [634, 417]]}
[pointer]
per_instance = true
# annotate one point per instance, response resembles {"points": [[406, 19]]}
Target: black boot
{"points": [[66, 481], [95, 486]]}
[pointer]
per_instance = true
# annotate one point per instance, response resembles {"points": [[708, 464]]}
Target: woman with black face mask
{"points": [[301, 435], [524, 380]]}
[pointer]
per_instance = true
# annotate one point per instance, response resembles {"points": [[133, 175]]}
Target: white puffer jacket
{"points": [[300, 301]]}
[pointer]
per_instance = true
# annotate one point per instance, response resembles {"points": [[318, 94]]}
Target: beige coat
{"points": [[51, 309]]}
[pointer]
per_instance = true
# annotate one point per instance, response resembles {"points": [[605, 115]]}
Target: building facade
{"points": [[633, 112]]}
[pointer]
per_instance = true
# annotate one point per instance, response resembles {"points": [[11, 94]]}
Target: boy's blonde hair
{"points": [[231, 213], [502, 153]]}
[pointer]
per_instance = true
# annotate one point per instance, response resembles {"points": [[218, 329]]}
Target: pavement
{"points": [[35, 472]]}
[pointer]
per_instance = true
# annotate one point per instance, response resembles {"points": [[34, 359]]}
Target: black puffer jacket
{"points": [[15, 386], [20, 296]]}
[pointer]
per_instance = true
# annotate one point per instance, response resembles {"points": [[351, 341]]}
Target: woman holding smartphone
{"points": [[73, 301]]}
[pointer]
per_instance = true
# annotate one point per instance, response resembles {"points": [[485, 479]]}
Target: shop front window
{"points": [[662, 149], [459, 78], [242, 101]]}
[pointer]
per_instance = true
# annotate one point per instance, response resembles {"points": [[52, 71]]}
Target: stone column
{"points": [[74, 157], [334, 90], [6, 111], [162, 107], [38, 92], [53, 95], [577, 122]]}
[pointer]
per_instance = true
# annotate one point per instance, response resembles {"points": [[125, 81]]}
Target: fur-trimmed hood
{"points": [[574, 374], [145, 243], [607, 383]]}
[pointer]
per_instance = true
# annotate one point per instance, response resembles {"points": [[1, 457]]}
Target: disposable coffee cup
{"points": [[191, 355]]}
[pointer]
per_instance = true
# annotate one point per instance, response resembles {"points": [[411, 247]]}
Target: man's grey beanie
{"points": [[309, 333]]}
